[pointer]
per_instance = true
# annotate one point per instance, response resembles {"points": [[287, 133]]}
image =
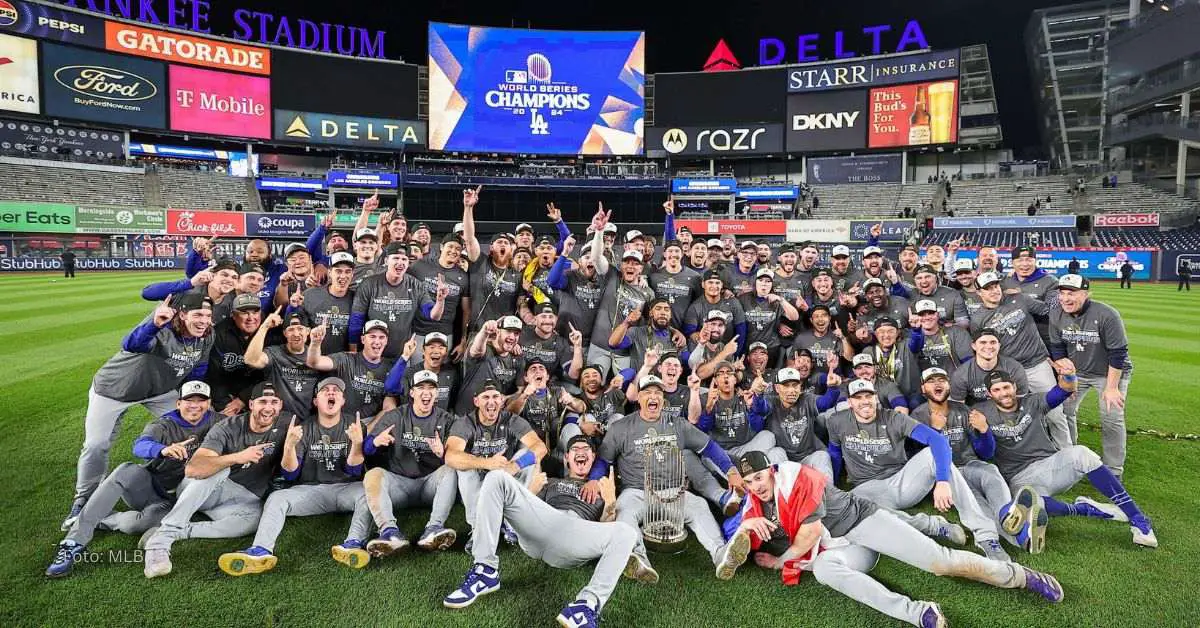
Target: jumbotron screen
{"points": [[536, 91]]}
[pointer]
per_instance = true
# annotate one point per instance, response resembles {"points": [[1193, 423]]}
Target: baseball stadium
{"points": [[875, 314]]}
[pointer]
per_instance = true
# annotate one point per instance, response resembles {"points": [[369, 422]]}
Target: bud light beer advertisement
{"points": [[536, 91]]}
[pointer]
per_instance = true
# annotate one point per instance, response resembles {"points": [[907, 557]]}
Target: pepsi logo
{"points": [[8, 13]]}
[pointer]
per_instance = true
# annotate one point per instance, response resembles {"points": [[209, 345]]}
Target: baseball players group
{"points": [[377, 371]]}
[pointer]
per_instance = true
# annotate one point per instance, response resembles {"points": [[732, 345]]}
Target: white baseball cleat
{"points": [[1115, 513], [733, 555], [1145, 539]]}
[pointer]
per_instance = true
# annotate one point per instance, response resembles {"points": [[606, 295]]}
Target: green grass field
{"points": [[54, 335]]}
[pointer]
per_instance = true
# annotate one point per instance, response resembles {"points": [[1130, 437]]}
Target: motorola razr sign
{"points": [[726, 141]]}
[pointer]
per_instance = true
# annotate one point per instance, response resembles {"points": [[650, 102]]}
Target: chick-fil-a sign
{"points": [[190, 222]]}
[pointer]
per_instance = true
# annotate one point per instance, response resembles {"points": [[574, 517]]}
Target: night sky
{"points": [[672, 47]]}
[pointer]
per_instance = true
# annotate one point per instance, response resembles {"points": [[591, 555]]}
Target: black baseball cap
{"points": [[1024, 251], [593, 367], [251, 267], [997, 376], [452, 237], [655, 301], [924, 268], [886, 321], [225, 263], [822, 272], [786, 248], [752, 462], [532, 362], [986, 331], [192, 301], [580, 438], [672, 243], [544, 241], [394, 248], [817, 306], [296, 318], [263, 389], [909, 247], [489, 384], [545, 308], [712, 274]]}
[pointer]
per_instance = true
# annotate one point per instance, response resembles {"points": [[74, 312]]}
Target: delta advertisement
{"points": [[102, 87], [38, 137], [888, 168], [204, 101], [46, 22], [19, 74], [536, 91], [327, 128], [1093, 263], [20, 264], [923, 114]]}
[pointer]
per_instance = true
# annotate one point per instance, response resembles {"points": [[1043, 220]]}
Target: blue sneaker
{"points": [[64, 559], [481, 580], [578, 614], [933, 617], [437, 538], [509, 534], [251, 560], [73, 516], [351, 554], [1017, 514], [730, 503], [1043, 584], [1039, 520], [952, 532], [390, 541]]}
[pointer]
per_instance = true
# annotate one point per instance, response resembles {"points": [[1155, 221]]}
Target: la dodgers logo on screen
{"points": [[530, 90]]}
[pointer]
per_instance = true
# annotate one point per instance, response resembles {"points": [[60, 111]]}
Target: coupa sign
{"points": [[280, 225]]}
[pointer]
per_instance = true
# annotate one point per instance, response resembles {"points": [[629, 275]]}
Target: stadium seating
{"points": [[66, 182], [1049, 238], [856, 199], [188, 189], [1137, 197]]}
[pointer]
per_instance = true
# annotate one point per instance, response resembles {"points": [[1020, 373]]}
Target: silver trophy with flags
{"points": [[665, 488]]}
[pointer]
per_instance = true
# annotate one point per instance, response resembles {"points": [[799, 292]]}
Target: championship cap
{"points": [[263, 389], [885, 321], [487, 385], [809, 244], [633, 255], [712, 273], [684, 229], [374, 324], [933, 372], [545, 308], [748, 244], [501, 236], [395, 248], [872, 282], [594, 367], [295, 247], [336, 382], [295, 318], [787, 247], [863, 358], [420, 226], [251, 267], [581, 439], [195, 389], [523, 227], [788, 375], [909, 247], [1024, 251], [859, 386], [964, 265], [872, 250], [634, 234], [511, 323], [752, 462], [715, 243], [986, 331], [717, 315], [246, 302], [366, 233], [822, 272], [437, 336], [341, 257], [672, 243], [1073, 282], [544, 241], [925, 305], [459, 228], [997, 376], [841, 250], [224, 263], [450, 238], [723, 364], [818, 306], [610, 228], [765, 272], [656, 301], [924, 268], [650, 381], [756, 345], [336, 234], [425, 377], [986, 279], [532, 362], [193, 301]]}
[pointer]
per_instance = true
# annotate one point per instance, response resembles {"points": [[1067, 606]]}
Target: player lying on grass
{"points": [[795, 520], [555, 524], [1034, 466]]}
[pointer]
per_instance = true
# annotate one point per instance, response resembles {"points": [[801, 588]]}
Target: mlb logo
{"points": [[516, 76]]}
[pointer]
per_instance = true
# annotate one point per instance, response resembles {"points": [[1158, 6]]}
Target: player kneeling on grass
{"points": [[794, 519], [226, 479], [147, 489], [324, 457], [555, 524], [409, 439], [1034, 466]]}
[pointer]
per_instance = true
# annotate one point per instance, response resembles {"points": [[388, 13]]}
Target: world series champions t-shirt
{"points": [[502, 437], [1013, 320], [957, 429], [627, 441], [730, 422], [321, 306], [234, 434], [1022, 436], [563, 494], [503, 369], [324, 451], [411, 455], [493, 291], [762, 321], [131, 376], [365, 382], [171, 429], [427, 271], [968, 384], [619, 299], [795, 427], [874, 450], [578, 304], [677, 288], [397, 305], [293, 379]]}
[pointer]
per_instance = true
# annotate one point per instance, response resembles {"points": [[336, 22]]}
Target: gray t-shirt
{"points": [[320, 306], [899, 365], [130, 376], [410, 455], [678, 289], [542, 410], [626, 442], [731, 426], [968, 384], [504, 369], [323, 452], [791, 288], [1023, 436], [698, 311], [642, 339], [555, 351], [950, 304], [397, 305], [292, 378], [1089, 337], [896, 308], [171, 429], [563, 494], [874, 450], [448, 380], [619, 299], [609, 402], [578, 304], [1013, 320], [1044, 290], [818, 346], [762, 321], [234, 434], [958, 429], [945, 349], [843, 511], [427, 271], [365, 382], [502, 437], [795, 427], [493, 291]]}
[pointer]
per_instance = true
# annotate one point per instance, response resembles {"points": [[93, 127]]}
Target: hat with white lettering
{"points": [[925, 305], [863, 358], [755, 346], [788, 375], [263, 389], [295, 247], [872, 250], [860, 386], [246, 302], [511, 323], [715, 243], [765, 272], [964, 265], [195, 389], [1073, 282], [633, 255], [871, 283], [986, 279], [436, 336], [717, 315], [523, 227], [634, 234], [610, 228], [341, 257], [366, 233], [748, 244], [933, 372], [841, 250], [336, 382], [373, 325], [424, 377], [650, 381]]}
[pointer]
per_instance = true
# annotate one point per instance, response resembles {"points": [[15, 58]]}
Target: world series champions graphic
{"points": [[536, 91]]}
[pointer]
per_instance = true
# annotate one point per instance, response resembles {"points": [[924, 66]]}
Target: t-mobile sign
{"points": [[205, 101]]}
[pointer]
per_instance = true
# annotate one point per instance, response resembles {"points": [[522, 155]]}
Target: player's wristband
{"points": [[526, 459]]}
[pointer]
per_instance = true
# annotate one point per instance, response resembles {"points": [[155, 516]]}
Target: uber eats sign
{"points": [[37, 217]]}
